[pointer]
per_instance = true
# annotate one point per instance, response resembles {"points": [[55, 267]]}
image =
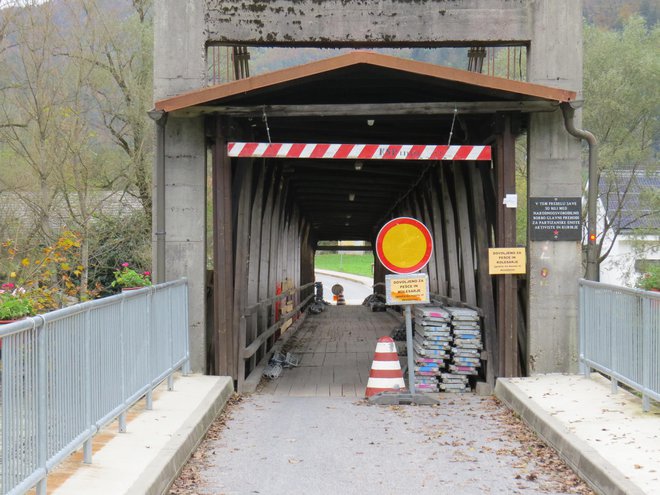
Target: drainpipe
{"points": [[592, 193], [160, 117]]}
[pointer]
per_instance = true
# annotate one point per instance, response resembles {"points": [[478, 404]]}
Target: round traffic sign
{"points": [[404, 245]]}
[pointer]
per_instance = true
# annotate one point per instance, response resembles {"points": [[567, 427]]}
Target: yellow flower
{"points": [[25, 262], [12, 275]]}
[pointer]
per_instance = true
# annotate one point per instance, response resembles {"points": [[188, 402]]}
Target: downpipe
{"points": [[160, 118], [592, 194]]}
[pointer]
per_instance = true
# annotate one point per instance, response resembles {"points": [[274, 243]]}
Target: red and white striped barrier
{"points": [[385, 375], [358, 151]]}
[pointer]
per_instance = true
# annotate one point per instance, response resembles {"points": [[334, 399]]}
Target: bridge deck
{"points": [[336, 349]]}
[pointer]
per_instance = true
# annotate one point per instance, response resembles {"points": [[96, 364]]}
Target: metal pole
{"points": [[411, 351]]}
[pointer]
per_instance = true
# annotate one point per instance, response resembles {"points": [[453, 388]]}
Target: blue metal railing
{"points": [[620, 336], [68, 373]]}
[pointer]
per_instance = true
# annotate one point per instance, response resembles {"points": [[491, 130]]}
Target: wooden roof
{"points": [[371, 64]]}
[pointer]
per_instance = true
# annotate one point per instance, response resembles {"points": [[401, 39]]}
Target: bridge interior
{"points": [[336, 349], [271, 213]]}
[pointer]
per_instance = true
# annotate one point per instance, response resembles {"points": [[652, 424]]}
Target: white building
{"points": [[633, 216]]}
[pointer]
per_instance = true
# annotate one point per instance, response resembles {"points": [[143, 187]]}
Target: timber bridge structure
{"points": [[332, 149]]}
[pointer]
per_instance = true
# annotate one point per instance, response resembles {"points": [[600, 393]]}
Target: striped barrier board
{"points": [[358, 151]]}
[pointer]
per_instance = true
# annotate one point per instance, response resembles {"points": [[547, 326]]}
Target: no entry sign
{"points": [[404, 245]]}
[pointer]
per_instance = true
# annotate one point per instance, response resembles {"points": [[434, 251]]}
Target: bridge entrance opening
{"points": [[331, 150]]}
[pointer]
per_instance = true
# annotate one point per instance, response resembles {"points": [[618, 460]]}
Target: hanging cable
{"points": [[453, 122], [265, 119]]}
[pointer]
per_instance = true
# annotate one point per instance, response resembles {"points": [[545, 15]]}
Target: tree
{"points": [[117, 40], [622, 101], [30, 111]]}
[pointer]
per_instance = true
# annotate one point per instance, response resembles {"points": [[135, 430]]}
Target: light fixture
{"points": [[371, 122], [351, 196], [349, 216], [347, 224], [358, 165]]}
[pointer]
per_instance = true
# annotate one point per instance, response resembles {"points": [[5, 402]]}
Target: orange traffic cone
{"points": [[385, 375]]}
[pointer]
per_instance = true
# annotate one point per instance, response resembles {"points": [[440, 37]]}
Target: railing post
{"points": [[646, 353], [242, 344], [186, 366], [170, 335], [611, 329], [87, 446], [122, 366], [584, 370], [42, 405], [151, 316]]}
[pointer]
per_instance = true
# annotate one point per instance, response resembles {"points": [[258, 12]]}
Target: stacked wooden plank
{"points": [[432, 342], [466, 348]]}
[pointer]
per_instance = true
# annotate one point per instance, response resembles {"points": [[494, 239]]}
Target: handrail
{"points": [[263, 331], [97, 358], [265, 302], [620, 336]]}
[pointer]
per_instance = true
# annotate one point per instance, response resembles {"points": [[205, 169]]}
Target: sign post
{"points": [[404, 246]]}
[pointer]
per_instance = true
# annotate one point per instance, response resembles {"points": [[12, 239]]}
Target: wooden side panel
{"points": [[244, 183], [438, 239], [485, 299], [454, 290], [465, 236]]}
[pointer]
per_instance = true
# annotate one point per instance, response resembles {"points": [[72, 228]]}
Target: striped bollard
{"points": [[385, 375]]}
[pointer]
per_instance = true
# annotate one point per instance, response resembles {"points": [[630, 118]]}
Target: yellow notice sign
{"points": [[407, 289], [507, 261]]}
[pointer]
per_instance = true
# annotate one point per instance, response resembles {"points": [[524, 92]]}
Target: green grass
{"points": [[357, 264]]}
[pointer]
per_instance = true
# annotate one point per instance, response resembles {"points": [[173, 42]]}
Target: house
{"points": [[633, 239]]}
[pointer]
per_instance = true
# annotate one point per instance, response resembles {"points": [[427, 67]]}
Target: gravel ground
{"points": [[290, 445]]}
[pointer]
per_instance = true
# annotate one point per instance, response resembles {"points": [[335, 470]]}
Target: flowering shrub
{"points": [[651, 279], [50, 275], [15, 302], [127, 277]]}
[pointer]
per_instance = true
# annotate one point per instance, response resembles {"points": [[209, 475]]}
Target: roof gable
{"points": [[372, 77]]}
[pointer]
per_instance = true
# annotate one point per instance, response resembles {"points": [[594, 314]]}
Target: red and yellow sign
{"points": [[404, 245]]}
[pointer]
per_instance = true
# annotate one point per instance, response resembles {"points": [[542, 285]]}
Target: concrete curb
{"points": [[348, 276], [601, 475], [161, 473]]}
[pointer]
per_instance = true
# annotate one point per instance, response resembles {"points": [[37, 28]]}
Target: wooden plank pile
{"points": [[465, 350], [447, 345], [432, 342]]}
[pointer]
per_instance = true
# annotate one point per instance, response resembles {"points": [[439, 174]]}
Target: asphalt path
{"points": [[327, 446], [354, 292]]}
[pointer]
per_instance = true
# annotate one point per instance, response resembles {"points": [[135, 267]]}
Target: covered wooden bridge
{"points": [[276, 198]]}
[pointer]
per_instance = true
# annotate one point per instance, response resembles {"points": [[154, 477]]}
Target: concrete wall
{"points": [[552, 28], [554, 59], [180, 65], [362, 22]]}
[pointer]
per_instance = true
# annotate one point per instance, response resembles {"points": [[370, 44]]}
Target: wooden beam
{"points": [[225, 342], [465, 236], [454, 289], [507, 298], [244, 186], [438, 239], [371, 109], [485, 282]]}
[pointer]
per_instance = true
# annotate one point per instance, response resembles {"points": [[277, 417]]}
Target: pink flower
{"points": [[125, 265], [8, 286], [146, 274]]}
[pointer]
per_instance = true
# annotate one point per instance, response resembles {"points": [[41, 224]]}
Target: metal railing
{"points": [[620, 336], [68, 373], [262, 322]]}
